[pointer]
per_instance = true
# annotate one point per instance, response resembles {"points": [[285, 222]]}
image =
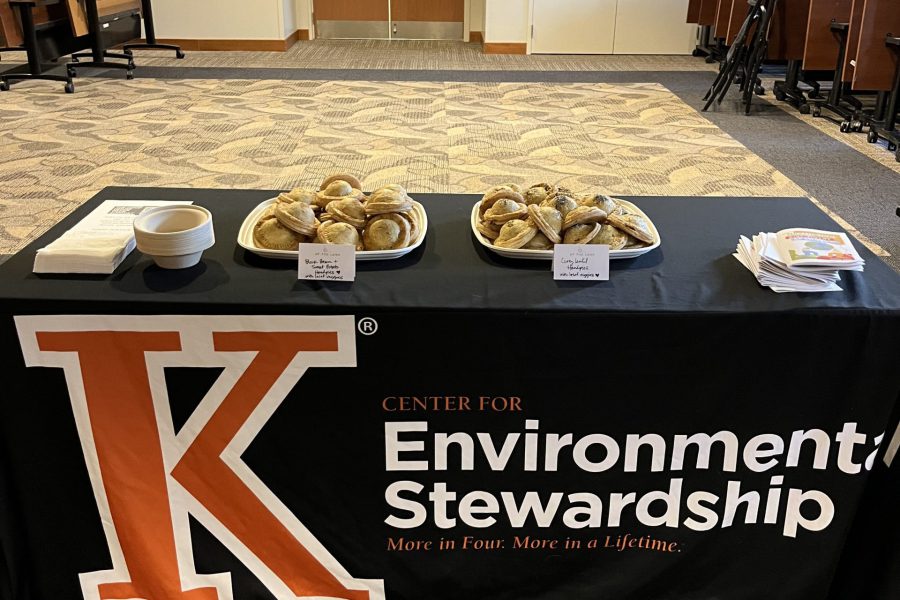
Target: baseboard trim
{"points": [[505, 48], [240, 45], [476, 37], [291, 40]]}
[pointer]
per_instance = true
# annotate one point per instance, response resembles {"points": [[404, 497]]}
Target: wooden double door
{"points": [[389, 19]]}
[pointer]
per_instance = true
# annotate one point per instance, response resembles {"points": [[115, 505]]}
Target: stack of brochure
{"points": [[98, 243], [799, 260]]}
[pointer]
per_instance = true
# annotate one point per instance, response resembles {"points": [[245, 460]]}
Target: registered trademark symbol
{"points": [[367, 326]]}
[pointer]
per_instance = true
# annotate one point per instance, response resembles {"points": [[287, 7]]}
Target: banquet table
{"points": [[451, 424]]}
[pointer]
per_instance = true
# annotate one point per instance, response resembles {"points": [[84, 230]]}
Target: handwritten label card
{"points": [[327, 262], [587, 262]]}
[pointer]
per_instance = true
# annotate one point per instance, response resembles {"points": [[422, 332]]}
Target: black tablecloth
{"points": [[678, 431], [692, 271]]}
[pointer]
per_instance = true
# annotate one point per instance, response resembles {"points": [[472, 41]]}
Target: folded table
{"points": [[452, 424]]}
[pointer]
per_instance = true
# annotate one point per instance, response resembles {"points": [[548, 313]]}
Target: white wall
{"points": [[654, 27], [289, 17], [303, 10], [218, 19], [506, 20], [476, 15]]}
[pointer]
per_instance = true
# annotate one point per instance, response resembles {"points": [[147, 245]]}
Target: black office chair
{"points": [[150, 34]]}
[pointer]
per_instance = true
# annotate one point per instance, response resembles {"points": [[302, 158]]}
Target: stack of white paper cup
{"points": [[174, 236]]}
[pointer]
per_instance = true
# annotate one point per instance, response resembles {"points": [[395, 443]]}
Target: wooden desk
{"points": [[875, 62], [787, 38], [821, 50], [723, 18], [856, 11], [739, 11], [11, 28], [693, 14], [707, 15]]}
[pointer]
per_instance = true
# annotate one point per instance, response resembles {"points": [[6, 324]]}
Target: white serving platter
{"points": [[548, 254], [245, 238]]}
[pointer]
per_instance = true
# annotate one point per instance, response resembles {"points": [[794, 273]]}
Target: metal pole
{"points": [[149, 28], [30, 35]]}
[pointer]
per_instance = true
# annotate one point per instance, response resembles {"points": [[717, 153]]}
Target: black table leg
{"points": [[840, 92], [789, 90], [887, 128], [98, 53], [150, 33], [34, 70]]}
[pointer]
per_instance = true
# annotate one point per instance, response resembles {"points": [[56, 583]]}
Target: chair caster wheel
{"points": [[804, 109], [179, 54], [845, 126], [710, 60], [856, 126], [780, 96], [892, 146], [817, 112], [70, 88], [4, 87], [759, 90], [129, 75], [872, 138]]}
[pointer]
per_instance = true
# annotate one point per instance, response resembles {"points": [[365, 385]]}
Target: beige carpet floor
{"points": [[417, 55], [431, 137]]}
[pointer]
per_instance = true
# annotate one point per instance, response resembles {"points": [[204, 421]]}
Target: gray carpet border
{"points": [[861, 190]]}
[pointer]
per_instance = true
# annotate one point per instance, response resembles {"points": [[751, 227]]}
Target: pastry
{"points": [[504, 210], [503, 193], [561, 202], [584, 214], [299, 195], [386, 232], [515, 234], [332, 232], [353, 181], [539, 242], [391, 199], [604, 203], [549, 221], [414, 225], [583, 233], [297, 216], [347, 210], [539, 192], [634, 225], [338, 187], [489, 230], [612, 237], [271, 234]]}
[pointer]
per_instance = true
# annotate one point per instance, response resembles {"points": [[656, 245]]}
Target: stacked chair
{"points": [[744, 59], [853, 43]]}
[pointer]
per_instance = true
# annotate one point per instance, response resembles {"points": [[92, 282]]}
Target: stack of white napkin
{"points": [[99, 242], [76, 254]]}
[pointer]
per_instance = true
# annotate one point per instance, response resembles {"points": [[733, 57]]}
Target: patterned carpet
{"points": [[431, 137], [417, 55], [409, 55]]}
